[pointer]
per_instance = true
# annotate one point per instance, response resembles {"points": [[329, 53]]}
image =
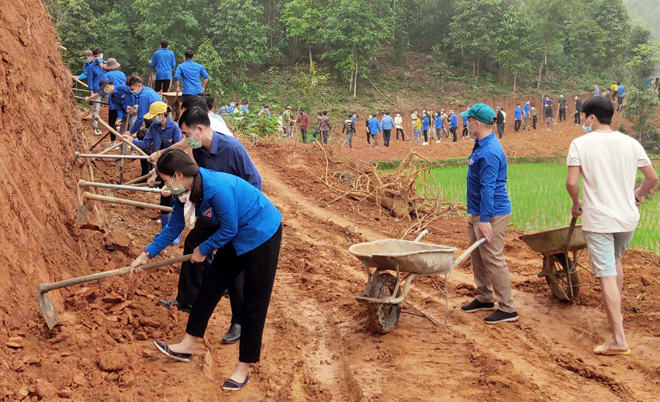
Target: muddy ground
{"points": [[318, 346]]}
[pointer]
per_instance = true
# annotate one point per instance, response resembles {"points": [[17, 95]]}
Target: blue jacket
{"points": [[486, 180], [517, 113], [387, 122], [230, 156], [94, 74], [621, 91], [161, 139], [425, 123], [438, 122], [465, 121], [144, 100], [164, 61], [122, 98], [118, 79], [374, 126], [245, 216], [453, 120], [526, 109], [84, 73], [191, 73]]}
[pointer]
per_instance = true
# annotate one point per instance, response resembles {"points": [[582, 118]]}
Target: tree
{"points": [[304, 21], [356, 30], [76, 26], [639, 108], [514, 40], [471, 29]]}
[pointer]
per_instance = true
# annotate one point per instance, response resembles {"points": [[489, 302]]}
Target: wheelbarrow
{"points": [[384, 292], [561, 249]]}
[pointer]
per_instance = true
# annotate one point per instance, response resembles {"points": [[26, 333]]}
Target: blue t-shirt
{"points": [[230, 156], [387, 123], [164, 61], [245, 217], [122, 98], [486, 180], [94, 74], [190, 74], [118, 79], [621, 91], [596, 91], [160, 138], [438, 122], [526, 109], [517, 113], [425, 123], [374, 126], [453, 120], [144, 99]]}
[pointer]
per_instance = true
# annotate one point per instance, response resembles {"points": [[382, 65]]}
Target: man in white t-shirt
{"points": [[608, 162]]}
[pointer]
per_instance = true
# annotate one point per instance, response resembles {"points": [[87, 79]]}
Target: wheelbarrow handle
{"points": [[47, 287], [468, 251], [570, 233], [421, 235]]}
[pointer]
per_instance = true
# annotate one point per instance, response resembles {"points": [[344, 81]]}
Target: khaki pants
{"points": [[491, 274]]}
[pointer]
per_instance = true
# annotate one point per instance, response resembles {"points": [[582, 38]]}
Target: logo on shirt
{"points": [[208, 213], [470, 162]]}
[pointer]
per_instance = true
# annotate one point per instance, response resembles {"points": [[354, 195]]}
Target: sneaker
{"points": [[437, 142], [476, 305], [501, 316], [97, 131], [425, 143]]}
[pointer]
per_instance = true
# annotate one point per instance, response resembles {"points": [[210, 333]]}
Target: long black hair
{"points": [[176, 160]]}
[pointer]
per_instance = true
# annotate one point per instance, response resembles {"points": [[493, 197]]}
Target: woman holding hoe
{"points": [[250, 231]]}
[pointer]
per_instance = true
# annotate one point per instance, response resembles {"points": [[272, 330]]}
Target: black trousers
{"points": [[562, 114], [466, 133], [453, 132], [400, 130], [303, 134], [368, 137], [192, 274], [516, 125], [185, 97], [162, 85], [425, 133], [259, 267], [534, 120], [112, 122], [500, 130], [324, 136], [386, 137], [576, 118]]}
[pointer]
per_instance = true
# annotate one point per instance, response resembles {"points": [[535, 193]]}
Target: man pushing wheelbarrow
{"points": [[608, 162]]}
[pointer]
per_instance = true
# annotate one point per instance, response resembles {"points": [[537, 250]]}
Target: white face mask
{"points": [[469, 130]]}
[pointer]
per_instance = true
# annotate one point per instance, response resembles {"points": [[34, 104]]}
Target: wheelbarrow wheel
{"points": [[383, 317], [558, 277]]}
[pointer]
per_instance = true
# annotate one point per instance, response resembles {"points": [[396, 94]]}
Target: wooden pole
{"points": [[104, 156], [146, 176], [123, 152], [126, 202], [80, 82], [112, 130], [119, 187], [93, 101]]}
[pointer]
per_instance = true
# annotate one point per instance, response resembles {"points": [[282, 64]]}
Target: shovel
{"points": [[46, 306]]}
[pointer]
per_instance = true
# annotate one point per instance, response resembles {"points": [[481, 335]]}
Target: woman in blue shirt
{"points": [[162, 134], [248, 240]]}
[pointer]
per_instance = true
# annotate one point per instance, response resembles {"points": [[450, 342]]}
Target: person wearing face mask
{"points": [[303, 123], [526, 109], [95, 72], [144, 97], [608, 162], [489, 211], [221, 153], [118, 79], [247, 240], [88, 58], [162, 134]]}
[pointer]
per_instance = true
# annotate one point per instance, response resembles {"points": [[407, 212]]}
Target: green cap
{"points": [[481, 112]]}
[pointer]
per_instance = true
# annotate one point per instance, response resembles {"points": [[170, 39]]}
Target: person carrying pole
{"points": [[247, 241]]}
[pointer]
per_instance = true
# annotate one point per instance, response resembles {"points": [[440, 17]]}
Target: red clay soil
{"points": [[317, 345]]}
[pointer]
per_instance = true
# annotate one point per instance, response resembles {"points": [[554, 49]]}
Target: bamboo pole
{"points": [[80, 82], [115, 132], [116, 200], [93, 101], [105, 156], [119, 187]]}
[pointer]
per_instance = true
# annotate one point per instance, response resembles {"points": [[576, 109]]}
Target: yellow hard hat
{"points": [[155, 109]]}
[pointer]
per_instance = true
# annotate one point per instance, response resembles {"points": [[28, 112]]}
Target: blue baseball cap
{"points": [[481, 112], [103, 83]]}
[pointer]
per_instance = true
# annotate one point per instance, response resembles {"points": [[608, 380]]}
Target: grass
{"points": [[539, 199]]}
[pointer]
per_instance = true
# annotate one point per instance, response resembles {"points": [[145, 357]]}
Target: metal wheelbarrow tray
{"points": [[384, 292]]}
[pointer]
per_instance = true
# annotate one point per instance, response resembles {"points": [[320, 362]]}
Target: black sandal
{"points": [[231, 385], [183, 357]]}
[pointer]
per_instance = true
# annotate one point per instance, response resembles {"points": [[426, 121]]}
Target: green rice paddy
{"points": [[540, 201]]}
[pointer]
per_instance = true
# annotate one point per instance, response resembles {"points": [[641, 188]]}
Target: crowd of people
{"points": [[214, 188]]}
